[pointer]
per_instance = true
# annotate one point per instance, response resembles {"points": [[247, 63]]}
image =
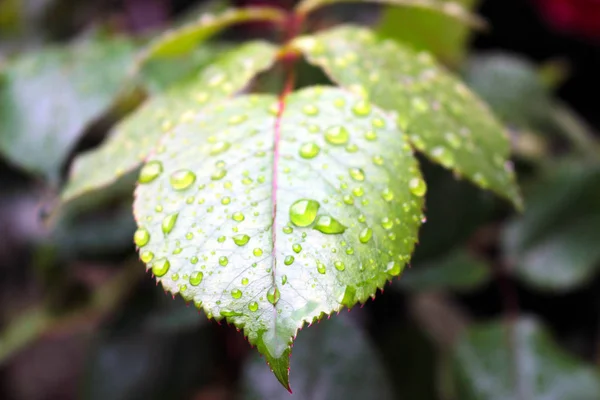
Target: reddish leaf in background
{"points": [[580, 17]]}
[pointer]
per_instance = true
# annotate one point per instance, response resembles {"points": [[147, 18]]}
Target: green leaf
{"points": [[513, 89], [182, 40], [449, 8], [554, 244], [424, 29], [495, 362], [48, 97], [456, 271], [333, 360], [442, 118], [271, 223], [134, 138]]}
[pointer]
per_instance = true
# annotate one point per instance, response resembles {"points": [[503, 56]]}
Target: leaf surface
{"points": [[487, 367], [554, 244], [271, 223], [442, 118], [48, 97], [332, 360], [182, 40], [449, 8], [131, 140], [424, 29]]}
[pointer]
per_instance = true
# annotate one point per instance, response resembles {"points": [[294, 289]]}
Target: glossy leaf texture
{"points": [[332, 360], [184, 39], [554, 244], [48, 97], [450, 8], [133, 139], [272, 223], [495, 362], [445, 37], [442, 118]]}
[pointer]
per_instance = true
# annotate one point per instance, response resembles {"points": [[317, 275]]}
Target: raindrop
{"points": [[289, 260], [321, 268], [150, 171], [339, 265], [273, 295], [236, 293], [161, 267], [393, 268], [257, 252], [309, 150], [241, 240], [337, 135], [253, 306], [329, 225], [182, 179], [348, 199], [310, 109], [387, 195], [238, 216], [141, 237], [245, 281], [362, 108], [218, 174], [371, 135], [287, 229], [365, 235], [218, 148], [196, 278], [168, 223], [304, 212], [417, 187], [284, 279], [147, 256], [223, 261], [387, 223], [357, 174]]}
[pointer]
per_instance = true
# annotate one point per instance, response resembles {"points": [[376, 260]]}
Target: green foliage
{"points": [[425, 29], [442, 118], [132, 140], [335, 360], [494, 361], [554, 244], [241, 227], [273, 211], [37, 131]]}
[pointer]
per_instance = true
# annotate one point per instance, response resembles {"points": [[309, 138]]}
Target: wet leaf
{"points": [[442, 118], [487, 366], [273, 237], [332, 360], [554, 244], [450, 8], [184, 39], [424, 29], [134, 138], [49, 96], [456, 271]]}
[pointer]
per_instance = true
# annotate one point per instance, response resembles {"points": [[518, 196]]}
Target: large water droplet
{"points": [[387, 223], [218, 174], [150, 171], [229, 313], [219, 147], [321, 268], [310, 109], [160, 267], [238, 216], [141, 237], [297, 248], [337, 135], [223, 261], [393, 268], [289, 260], [304, 212], [236, 293], [147, 256], [241, 240], [417, 187], [387, 194], [357, 174], [329, 225], [257, 252], [196, 278], [182, 179], [309, 150], [168, 223], [362, 108], [253, 306], [339, 265], [273, 295], [365, 235]]}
